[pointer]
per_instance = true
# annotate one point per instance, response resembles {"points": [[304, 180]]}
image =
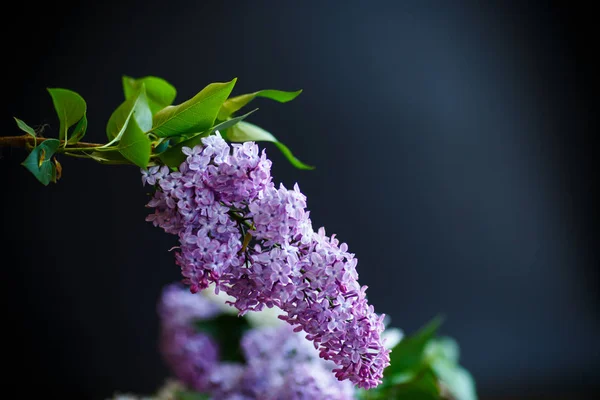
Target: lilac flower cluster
{"points": [[190, 355], [280, 364], [256, 243]]}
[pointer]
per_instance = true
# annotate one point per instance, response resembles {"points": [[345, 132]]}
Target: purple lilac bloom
{"points": [[280, 364], [225, 381], [256, 243], [283, 365], [190, 355]]}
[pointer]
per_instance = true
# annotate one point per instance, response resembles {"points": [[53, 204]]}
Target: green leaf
{"points": [[443, 356], [39, 163], [221, 127], [420, 385], [402, 378], [443, 348], [136, 106], [79, 130], [409, 353], [423, 387], [160, 92], [174, 157], [135, 145], [455, 379], [288, 154], [244, 131], [235, 103], [70, 108], [227, 330], [194, 115], [24, 127]]}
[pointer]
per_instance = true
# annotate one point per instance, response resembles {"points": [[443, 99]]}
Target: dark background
{"points": [[454, 152]]}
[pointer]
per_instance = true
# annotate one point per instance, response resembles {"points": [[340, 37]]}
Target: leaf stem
{"points": [[88, 148], [28, 140], [76, 155]]}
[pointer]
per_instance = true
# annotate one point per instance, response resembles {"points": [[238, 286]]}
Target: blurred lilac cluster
{"points": [[255, 242], [278, 362]]}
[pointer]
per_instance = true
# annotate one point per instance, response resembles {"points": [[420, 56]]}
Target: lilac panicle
{"points": [[283, 365], [190, 355], [255, 242], [280, 364]]}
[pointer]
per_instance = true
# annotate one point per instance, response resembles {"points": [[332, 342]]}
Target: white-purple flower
{"points": [[256, 243]]}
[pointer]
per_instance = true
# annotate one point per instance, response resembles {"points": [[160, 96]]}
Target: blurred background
{"points": [[453, 151]]}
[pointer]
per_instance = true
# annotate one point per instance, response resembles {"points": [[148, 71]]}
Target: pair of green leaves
{"points": [[127, 128], [71, 110], [39, 161], [425, 367], [233, 128], [442, 354]]}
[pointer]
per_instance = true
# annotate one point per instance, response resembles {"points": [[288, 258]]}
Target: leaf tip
{"points": [[53, 90], [292, 96], [437, 321], [440, 318]]}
